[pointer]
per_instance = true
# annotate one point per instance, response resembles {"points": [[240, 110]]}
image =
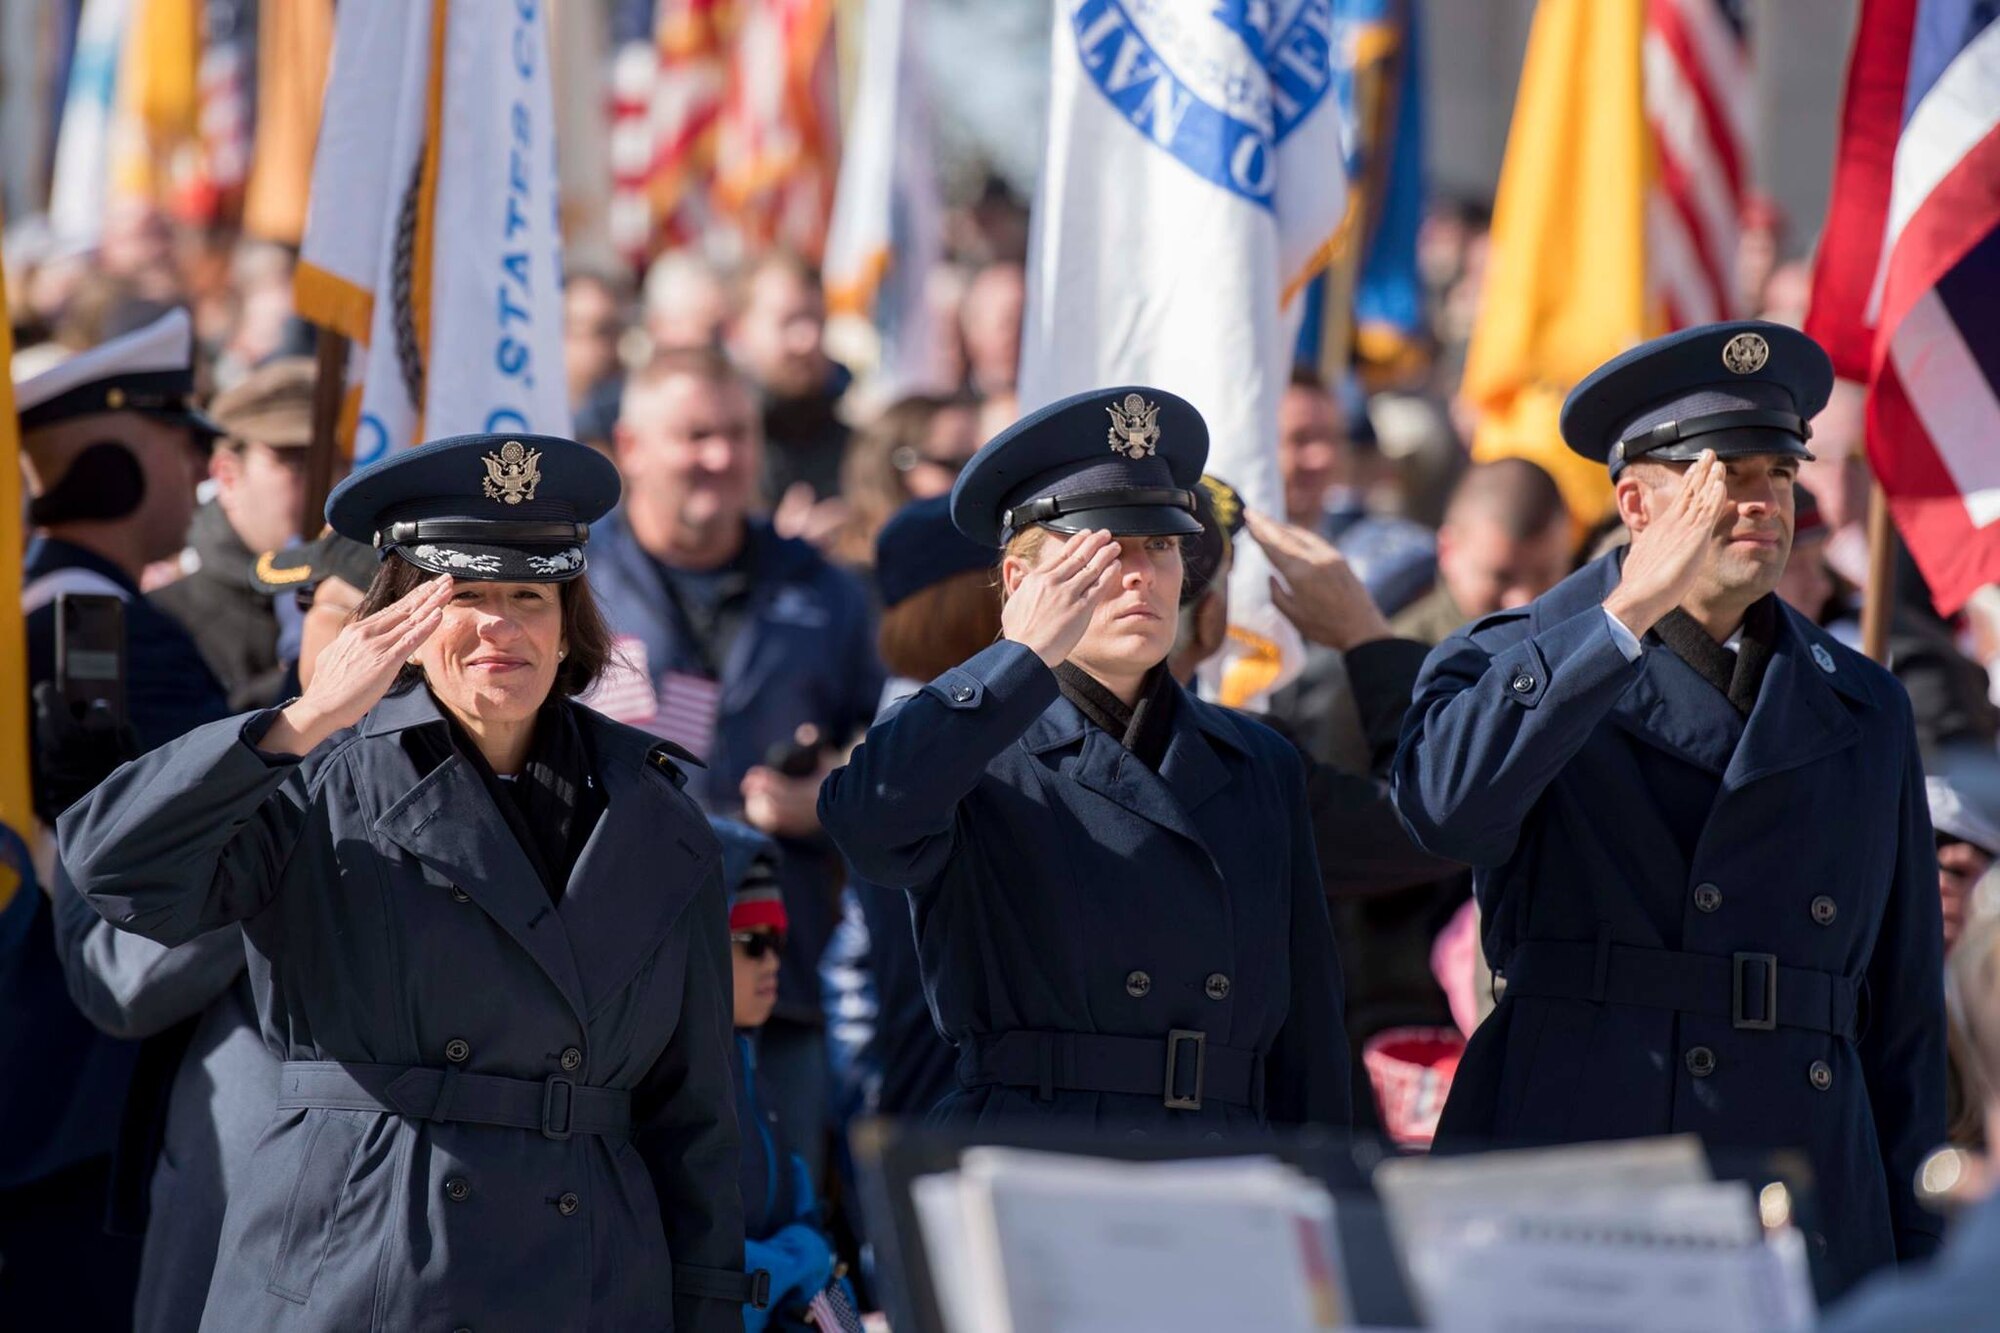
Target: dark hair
{"points": [[584, 631], [930, 632]]}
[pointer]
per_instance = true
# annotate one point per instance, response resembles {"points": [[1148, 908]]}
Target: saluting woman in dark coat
{"points": [[1116, 895], [487, 933]]}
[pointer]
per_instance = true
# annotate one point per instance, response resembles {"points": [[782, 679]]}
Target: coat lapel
{"points": [[448, 822], [1671, 708], [1798, 717], [1189, 773], [639, 870]]}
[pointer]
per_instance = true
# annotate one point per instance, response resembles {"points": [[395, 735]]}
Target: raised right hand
{"points": [[357, 669], [1666, 558], [1051, 609]]}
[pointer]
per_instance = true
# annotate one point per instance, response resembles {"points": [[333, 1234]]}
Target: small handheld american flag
{"points": [[832, 1311]]}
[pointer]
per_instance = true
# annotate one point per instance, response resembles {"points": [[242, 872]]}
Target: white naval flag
{"points": [[1191, 185], [431, 234]]}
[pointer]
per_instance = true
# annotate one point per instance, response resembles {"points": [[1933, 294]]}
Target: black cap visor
{"points": [[1744, 442], [1128, 521], [477, 562]]}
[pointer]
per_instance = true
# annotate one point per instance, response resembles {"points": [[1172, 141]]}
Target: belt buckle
{"points": [[1736, 1017], [556, 1106], [1174, 1040]]}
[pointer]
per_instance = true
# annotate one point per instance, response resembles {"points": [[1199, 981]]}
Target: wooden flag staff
{"points": [[329, 388]]}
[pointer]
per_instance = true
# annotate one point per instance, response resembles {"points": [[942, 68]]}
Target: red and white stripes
{"points": [[1698, 109]]}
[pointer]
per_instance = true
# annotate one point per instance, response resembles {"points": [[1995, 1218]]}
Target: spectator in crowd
{"points": [[782, 1227], [113, 450], [1963, 786], [938, 609], [1807, 585], [1329, 467], [593, 320], [1955, 1290], [747, 648], [259, 321], [912, 451], [258, 468], [1506, 540], [778, 338], [990, 326], [687, 302]]}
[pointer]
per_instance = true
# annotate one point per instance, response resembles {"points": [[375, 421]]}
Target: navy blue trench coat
{"points": [[1061, 887], [1707, 923], [495, 1112]]}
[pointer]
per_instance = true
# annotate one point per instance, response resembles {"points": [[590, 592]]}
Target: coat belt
{"points": [[556, 1106], [1750, 990], [1181, 1068]]}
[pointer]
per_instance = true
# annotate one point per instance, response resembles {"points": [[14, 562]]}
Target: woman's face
{"points": [[1133, 626], [494, 658], [756, 978]]}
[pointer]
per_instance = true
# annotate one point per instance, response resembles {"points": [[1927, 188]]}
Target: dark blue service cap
{"points": [[919, 546], [1741, 388], [1125, 460], [491, 508]]}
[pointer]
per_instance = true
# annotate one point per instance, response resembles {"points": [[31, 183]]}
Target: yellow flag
{"points": [[15, 812], [155, 122], [294, 49], [1566, 282]]}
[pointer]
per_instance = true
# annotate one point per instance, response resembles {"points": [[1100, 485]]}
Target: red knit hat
{"points": [[757, 903]]}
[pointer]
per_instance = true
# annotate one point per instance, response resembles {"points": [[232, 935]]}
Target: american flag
{"points": [[832, 1312], [225, 99], [1909, 265], [1697, 80], [777, 143], [669, 69]]}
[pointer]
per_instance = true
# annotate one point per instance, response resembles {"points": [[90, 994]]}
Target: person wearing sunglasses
{"points": [[913, 451], [785, 1235]]}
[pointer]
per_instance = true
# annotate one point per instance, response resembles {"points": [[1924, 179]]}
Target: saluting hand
{"points": [[1051, 608], [1666, 557], [357, 669], [1315, 587]]}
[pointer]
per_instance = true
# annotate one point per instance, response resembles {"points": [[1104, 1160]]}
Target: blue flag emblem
{"points": [[1217, 83]]}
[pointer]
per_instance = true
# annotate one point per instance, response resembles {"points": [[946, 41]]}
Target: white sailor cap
{"points": [[150, 370]]}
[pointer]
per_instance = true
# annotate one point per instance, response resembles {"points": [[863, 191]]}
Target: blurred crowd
{"points": [[732, 405]]}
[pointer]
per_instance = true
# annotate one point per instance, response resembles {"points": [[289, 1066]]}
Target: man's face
{"points": [[1960, 865], [1312, 452], [590, 335], [1753, 537], [692, 444], [779, 334], [260, 490], [174, 462], [1487, 569], [991, 321]]}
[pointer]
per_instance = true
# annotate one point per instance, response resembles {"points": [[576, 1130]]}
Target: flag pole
{"points": [[329, 387], [1880, 598]]}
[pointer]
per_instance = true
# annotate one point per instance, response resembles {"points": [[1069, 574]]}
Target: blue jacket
{"points": [[1061, 886], [1956, 1290], [1620, 816], [888, 1057], [495, 1111], [806, 655]]}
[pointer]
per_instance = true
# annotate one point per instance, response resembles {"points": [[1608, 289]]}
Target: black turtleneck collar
{"points": [[1144, 729]]}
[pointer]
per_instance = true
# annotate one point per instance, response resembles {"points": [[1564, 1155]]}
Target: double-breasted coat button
{"points": [[459, 895], [1524, 683], [456, 1051], [571, 1059], [1137, 984], [961, 693], [457, 1188], [1821, 1074], [1707, 897], [1217, 986], [1824, 910], [568, 1204], [1701, 1061]]}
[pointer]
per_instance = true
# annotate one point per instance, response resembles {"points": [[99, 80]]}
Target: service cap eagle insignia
{"points": [[1135, 427], [513, 473]]}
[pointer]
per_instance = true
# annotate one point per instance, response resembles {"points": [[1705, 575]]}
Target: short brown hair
{"points": [[584, 630], [708, 364], [932, 631]]}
